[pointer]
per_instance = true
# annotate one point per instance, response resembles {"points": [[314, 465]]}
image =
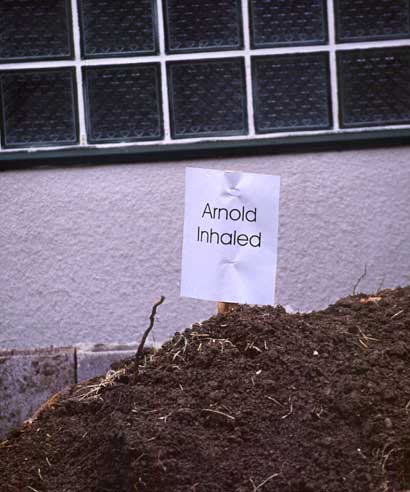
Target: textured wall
{"points": [[84, 252]]}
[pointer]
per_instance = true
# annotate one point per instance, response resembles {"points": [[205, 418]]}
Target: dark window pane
{"points": [[374, 87], [123, 103], [291, 92], [203, 25], [377, 19], [38, 107], [284, 22], [35, 29], [207, 98], [117, 27]]}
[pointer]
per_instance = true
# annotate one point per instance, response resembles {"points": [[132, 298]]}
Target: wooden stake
{"points": [[225, 307]]}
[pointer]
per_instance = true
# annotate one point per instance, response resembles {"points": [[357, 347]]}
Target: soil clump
{"points": [[255, 400]]}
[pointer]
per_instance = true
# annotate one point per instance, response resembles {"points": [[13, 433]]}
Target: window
{"points": [[146, 74], [123, 102], [207, 97]]}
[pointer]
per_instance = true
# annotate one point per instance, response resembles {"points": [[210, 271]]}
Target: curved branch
{"points": [[140, 350]]}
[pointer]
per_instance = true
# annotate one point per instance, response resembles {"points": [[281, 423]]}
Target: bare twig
{"points": [[365, 339], [399, 312], [360, 279], [290, 409], [379, 288], [140, 350], [161, 463], [94, 390], [165, 417], [257, 487], [219, 413], [387, 456], [318, 412], [274, 400]]}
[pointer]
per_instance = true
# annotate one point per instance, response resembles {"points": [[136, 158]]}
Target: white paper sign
{"points": [[230, 236]]}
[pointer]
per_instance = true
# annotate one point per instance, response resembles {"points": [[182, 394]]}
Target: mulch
{"points": [[255, 400]]}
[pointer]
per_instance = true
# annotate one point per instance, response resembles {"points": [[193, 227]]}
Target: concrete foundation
{"points": [[29, 377]]}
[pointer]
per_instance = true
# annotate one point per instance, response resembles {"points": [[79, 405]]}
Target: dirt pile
{"points": [[253, 401]]}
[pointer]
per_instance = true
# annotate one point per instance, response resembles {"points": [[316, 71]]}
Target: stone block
{"points": [[28, 378], [96, 360]]}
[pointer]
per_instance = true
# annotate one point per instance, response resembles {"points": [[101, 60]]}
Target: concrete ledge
{"points": [[95, 360], [28, 378]]}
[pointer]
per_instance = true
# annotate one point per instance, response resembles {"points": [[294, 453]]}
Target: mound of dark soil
{"points": [[253, 401]]}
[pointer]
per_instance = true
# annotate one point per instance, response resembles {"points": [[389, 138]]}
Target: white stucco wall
{"points": [[84, 252]]}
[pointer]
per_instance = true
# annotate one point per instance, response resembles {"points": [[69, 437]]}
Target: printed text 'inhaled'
{"points": [[229, 238]]}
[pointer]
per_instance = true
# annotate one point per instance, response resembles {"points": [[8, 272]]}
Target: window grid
{"points": [[79, 75], [164, 74], [331, 48], [248, 66], [331, 26]]}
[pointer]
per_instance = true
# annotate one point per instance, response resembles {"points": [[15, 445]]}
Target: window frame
{"points": [[175, 147]]}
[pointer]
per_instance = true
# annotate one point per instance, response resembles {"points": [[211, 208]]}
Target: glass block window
{"points": [[38, 107], [285, 23], [37, 29], [372, 20], [117, 27], [202, 25], [291, 92], [374, 87], [123, 103], [207, 98], [88, 76]]}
